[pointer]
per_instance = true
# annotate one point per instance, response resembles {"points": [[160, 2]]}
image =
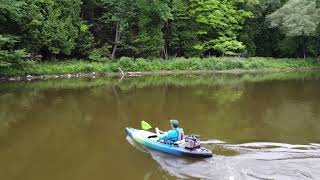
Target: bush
{"points": [[17, 59], [14, 59], [100, 55], [97, 55]]}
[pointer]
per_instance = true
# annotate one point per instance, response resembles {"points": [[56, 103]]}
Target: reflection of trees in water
{"points": [[272, 111], [218, 101], [76, 105], [241, 111], [14, 107], [221, 95], [65, 128], [156, 81], [121, 112], [294, 111], [226, 96]]}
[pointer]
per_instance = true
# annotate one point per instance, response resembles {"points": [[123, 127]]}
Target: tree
{"points": [[11, 56], [257, 36], [117, 15], [10, 21], [114, 24], [298, 20], [52, 26], [220, 22], [181, 30], [152, 17], [10, 14]]}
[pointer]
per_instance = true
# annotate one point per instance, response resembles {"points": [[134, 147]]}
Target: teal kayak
{"points": [[150, 140]]}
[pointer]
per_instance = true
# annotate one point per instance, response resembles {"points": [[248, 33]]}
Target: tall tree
{"points": [[257, 36], [10, 31], [10, 16], [52, 26], [298, 20], [117, 15], [181, 31], [152, 16], [220, 23]]}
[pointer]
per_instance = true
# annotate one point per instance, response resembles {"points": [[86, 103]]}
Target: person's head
{"points": [[174, 123]]}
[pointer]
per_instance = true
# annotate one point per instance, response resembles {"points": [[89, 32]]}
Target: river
{"points": [[259, 126]]}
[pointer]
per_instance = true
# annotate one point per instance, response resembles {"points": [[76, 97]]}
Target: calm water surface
{"points": [[260, 126]]}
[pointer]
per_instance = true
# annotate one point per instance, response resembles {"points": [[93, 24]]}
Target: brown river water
{"points": [[259, 126]]}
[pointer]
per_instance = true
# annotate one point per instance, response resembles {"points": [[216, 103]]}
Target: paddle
{"points": [[147, 126]]}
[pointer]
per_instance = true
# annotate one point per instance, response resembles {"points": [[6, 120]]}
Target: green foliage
{"points": [[137, 29], [226, 44], [221, 21], [129, 64], [298, 20], [180, 33], [53, 26], [10, 13], [257, 36], [96, 55], [119, 15], [100, 54], [152, 15], [84, 42], [10, 55], [10, 58], [13, 59], [8, 41]]}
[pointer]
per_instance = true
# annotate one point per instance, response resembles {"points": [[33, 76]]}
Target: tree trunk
{"points": [[116, 40], [318, 47], [121, 111], [164, 52], [33, 54], [53, 57], [304, 39], [304, 48]]}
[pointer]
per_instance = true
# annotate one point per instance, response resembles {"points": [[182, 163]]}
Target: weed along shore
{"points": [[122, 74], [139, 67]]}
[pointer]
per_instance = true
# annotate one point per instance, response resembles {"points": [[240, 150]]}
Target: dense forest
{"points": [[99, 30]]}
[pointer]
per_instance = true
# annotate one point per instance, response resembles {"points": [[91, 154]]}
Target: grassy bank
{"points": [[176, 64]]}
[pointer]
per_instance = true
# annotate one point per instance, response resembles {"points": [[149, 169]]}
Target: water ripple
{"points": [[257, 160]]}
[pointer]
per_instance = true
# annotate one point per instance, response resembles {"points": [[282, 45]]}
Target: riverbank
{"points": [[208, 80], [137, 67]]}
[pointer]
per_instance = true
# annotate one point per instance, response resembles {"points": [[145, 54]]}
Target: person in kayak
{"points": [[175, 134]]}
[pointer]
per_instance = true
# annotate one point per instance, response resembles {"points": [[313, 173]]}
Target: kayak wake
{"points": [[256, 160]]}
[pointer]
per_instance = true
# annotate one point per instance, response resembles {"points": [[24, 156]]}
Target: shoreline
{"points": [[122, 74]]}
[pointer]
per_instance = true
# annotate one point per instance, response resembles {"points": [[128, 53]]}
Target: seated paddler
{"points": [[175, 134]]}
